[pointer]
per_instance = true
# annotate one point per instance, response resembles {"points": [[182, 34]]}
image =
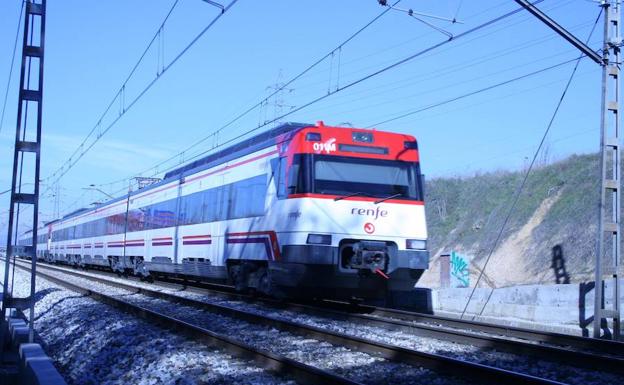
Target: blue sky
{"points": [[92, 45]]}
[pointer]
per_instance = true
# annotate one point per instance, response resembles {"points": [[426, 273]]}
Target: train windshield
{"points": [[343, 176]]}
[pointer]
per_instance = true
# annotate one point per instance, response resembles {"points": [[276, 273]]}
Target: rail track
{"points": [[399, 320], [458, 330], [273, 362], [380, 314]]}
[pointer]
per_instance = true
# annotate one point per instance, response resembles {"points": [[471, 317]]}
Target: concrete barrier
{"points": [[34, 367], [565, 307]]}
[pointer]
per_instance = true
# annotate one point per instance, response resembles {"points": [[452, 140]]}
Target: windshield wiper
{"points": [[349, 196], [390, 197]]}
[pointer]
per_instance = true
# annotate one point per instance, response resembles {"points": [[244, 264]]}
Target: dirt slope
{"points": [[558, 207]]}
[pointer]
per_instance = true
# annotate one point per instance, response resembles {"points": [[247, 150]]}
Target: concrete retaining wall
{"points": [[568, 306]]}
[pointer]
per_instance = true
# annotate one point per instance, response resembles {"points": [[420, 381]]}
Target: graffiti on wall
{"points": [[460, 272]]}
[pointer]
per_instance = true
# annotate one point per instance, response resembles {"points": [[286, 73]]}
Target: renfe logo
{"points": [[369, 228], [375, 213], [328, 146]]}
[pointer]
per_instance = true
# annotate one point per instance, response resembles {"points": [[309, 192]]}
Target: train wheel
{"points": [[115, 266], [239, 276], [355, 302], [138, 267], [265, 283]]}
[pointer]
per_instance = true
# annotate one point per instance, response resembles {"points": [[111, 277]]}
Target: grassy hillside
{"points": [[559, 206]]}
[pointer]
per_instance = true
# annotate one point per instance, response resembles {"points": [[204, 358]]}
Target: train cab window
{"points": [[278, 169], [299, 174], [376, 177], [293, 178]]}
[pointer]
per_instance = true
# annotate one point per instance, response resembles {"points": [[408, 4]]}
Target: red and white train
{"points": [[300, 210]]}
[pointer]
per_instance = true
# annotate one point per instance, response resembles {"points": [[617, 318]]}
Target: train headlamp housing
{"points": [[409, 145], [319, 239], [363, 137], [313, 137], [416, 244]]}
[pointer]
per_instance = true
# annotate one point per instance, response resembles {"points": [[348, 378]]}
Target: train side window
{"points": [[247, 197], [211, 202]]}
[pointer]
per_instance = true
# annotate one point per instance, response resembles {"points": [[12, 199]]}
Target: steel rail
{"points": [[415, 319], [273, 362], [546, 352], [537, 336], [483, 373], [581, 343]]}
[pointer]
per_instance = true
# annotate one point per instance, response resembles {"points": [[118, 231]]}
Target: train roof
{"points": [[235, 150], [78, 211], [242, 148]]}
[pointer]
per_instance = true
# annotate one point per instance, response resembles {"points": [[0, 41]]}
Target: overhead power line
{"points": [[83, 148], [6, 93], [415, 15], [262, 102], [490, 32], [390, 88], [475, 92], [367, 77], [322, 97], [522, 184], [119, 92]]}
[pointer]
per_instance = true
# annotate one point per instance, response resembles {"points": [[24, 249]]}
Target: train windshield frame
{"points": [[343, 176]]}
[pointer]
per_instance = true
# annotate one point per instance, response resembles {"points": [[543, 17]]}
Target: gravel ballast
{"points": [[92, 343], [357, 366], [351, 364], [514, 362]]}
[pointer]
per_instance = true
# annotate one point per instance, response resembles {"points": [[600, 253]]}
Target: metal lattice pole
{"points": [[607, 266], [26, 158]]}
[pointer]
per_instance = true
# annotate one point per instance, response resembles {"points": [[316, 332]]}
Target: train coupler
{"points": [[366, 256]]}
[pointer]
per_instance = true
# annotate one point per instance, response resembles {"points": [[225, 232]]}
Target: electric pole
{"points": [[26, 160], [607, 258], [607, 267]]}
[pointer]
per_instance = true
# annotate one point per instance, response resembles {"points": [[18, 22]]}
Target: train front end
{"points": [[352, 215]]}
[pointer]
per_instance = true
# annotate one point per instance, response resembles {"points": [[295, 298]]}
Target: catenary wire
{"points": [[475, 92], [437, 88], [392, 87], [123, 85], [362, 79], [182, 154], [71, 162], [6, 93], [264, 100], [520, 187], [358, 81], [366, 68]]}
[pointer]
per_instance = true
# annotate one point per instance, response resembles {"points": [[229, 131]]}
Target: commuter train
{"points": [[300, 210]]}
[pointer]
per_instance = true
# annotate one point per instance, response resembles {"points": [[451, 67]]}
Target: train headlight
{"points": [[313, 137], [319, 239], [417, 244], [364, 137]]}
